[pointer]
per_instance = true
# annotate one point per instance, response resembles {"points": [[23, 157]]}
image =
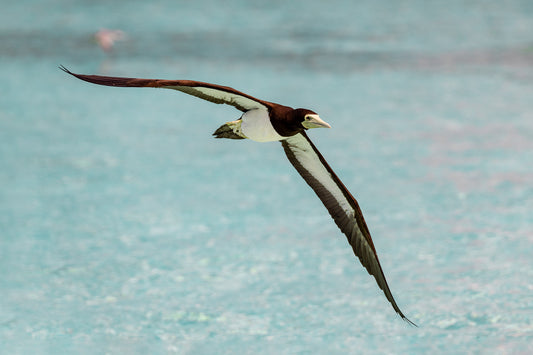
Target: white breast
{"points": [[256, 126]]}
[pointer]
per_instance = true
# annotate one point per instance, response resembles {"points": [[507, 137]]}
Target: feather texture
{"points": [[341, 205], [211, 92]]}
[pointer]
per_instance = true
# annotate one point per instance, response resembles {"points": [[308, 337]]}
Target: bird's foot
{"points": [[231, 130]]}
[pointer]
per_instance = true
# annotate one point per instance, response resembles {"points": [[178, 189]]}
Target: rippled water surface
{"points": [[126, 228]]}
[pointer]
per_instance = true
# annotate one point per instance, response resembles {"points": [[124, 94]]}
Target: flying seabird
{"points": [[264, 121]]}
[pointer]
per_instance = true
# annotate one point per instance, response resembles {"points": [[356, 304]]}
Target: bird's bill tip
{"points": [[314, 121]]}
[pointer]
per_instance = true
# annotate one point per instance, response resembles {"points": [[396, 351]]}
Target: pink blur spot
{"points": [[106, 38]]}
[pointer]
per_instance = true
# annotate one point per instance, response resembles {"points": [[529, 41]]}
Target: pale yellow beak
{"points": [[313, 121]]}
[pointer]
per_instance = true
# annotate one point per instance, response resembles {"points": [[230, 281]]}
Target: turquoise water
{"points": [[126, 228]]}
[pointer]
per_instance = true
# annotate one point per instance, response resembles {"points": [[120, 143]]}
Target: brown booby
{"points": [[264, 121]]}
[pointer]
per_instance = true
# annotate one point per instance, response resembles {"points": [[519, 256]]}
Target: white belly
{"points": [[257, 127]]}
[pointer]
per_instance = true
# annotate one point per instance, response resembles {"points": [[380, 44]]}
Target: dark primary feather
{"points": [[341, 205]]}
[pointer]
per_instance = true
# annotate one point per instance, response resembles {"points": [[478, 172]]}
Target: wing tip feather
{"points": [[62, 67], [410, 322]]}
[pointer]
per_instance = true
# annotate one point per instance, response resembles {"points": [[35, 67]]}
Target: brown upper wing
{"points": [[340, 204], [214, 93]]}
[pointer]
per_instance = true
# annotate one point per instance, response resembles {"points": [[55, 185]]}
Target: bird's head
{"points": [[310, 119]]}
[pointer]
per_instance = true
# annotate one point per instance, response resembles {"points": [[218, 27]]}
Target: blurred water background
{"points": [[125, 228]]}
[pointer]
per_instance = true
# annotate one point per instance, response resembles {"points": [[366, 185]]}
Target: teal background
{"points": [[125, 228]]}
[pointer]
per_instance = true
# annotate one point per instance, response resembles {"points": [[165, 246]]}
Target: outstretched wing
{"points": [[214, 93], [341, 205]]}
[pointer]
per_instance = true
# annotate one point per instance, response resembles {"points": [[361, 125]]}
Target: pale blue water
{"points": [[126, 229]]}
